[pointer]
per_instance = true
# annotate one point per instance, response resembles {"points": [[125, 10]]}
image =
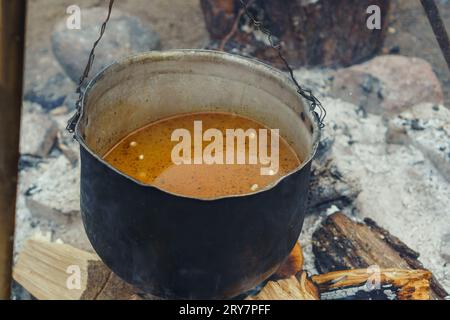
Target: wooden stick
{"points": [[341, 244], [12, 36], [438, 27], [409, 284]]}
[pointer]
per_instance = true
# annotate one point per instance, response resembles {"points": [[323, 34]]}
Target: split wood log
{"points": [[290, 282], [50, 271], [298, 287], [322, 32], [342, 244], [45, 269], [408, 284]]}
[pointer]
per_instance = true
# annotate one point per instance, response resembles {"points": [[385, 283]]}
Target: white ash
{"points": [[38, 131], [55, 193]]}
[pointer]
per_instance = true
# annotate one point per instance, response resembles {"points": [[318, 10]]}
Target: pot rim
{"points": [[248, 62]]}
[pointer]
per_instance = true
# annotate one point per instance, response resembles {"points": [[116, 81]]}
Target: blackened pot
{"points": [[174, 246]]}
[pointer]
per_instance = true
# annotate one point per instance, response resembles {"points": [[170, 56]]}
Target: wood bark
{"points": [[12, 34], [342, 244], [313, 33]]}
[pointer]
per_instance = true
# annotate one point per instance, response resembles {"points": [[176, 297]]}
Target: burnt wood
{"points": [[341, 243], [324, 32]]}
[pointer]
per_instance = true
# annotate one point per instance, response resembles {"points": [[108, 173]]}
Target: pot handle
{"points": [[73, 121], [315, 106]]}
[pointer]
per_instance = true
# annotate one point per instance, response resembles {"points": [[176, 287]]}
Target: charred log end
{"points": [[341, 243], [219, 17], [326, 32]]}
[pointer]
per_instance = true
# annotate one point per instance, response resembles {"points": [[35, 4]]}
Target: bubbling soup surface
{"points": [[146, 155]]}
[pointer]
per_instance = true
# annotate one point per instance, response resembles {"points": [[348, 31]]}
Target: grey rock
{"points": [[51, 93], [124, 35], [388, 84], [54, 196], [38, 134], [45, 81]]}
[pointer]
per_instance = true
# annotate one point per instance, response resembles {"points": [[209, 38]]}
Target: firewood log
{"points": [[44, 270], [408, 284], [342, 244], [323, 32], [298, 287]]}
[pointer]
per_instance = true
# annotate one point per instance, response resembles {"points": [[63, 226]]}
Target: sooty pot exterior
{"points": [[177, 247]]}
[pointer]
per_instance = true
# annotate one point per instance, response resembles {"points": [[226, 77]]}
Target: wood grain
{"points": [[314, 33], [408, 284], [298, 287], [341, 243], [12, 34], [43, 270]]}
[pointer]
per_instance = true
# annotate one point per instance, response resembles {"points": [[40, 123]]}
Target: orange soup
{"points": [[147, 156]]}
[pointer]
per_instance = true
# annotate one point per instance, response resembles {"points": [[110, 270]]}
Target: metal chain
{"points": [[315, 105], [74, 119]]}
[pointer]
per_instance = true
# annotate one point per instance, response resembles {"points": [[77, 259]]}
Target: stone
{"points": [[38, 134], [55, 194], [45, 81], [125, 35], [388, 84], [51, 93]]}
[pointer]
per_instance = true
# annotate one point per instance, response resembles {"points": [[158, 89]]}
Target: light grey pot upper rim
{"points": [[162, 55]]}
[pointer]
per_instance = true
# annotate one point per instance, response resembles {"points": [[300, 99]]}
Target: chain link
{"points": [[315, 105], [74, 119]]}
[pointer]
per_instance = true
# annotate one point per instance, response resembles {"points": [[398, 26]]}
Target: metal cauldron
{"points": [[180, 247]]}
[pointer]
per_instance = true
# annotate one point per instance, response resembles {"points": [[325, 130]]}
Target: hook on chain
{"points": [[315, 106], [74, 119]]}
